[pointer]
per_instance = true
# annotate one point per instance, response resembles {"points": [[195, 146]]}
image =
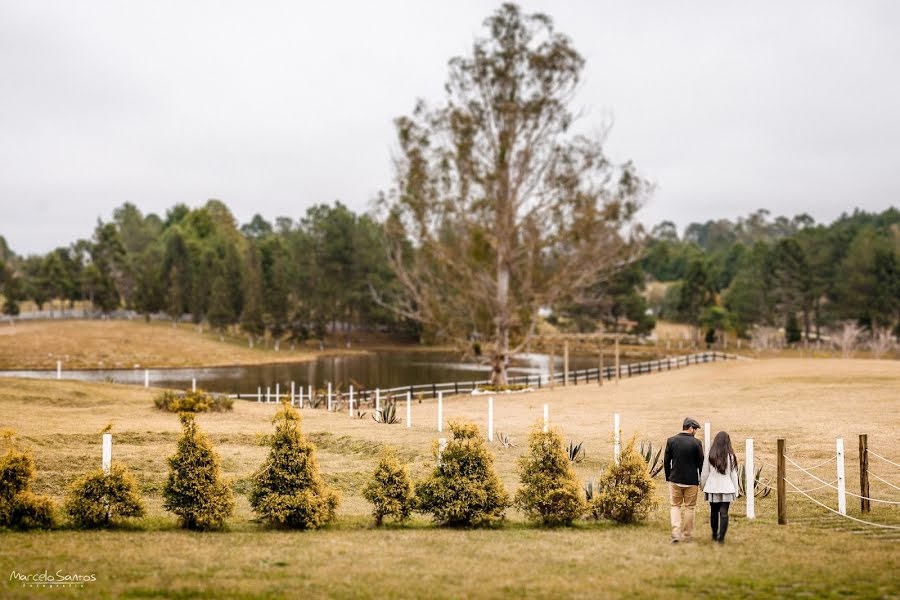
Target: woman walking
{"points": [[719, 480]]}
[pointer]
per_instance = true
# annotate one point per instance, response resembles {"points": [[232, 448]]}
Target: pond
{"points": [[381, 369]]}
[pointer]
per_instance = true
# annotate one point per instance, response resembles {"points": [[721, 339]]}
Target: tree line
{"points": [[790, 273]]}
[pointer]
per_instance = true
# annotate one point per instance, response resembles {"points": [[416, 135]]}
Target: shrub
{"points": [[625, 491], [20, 508], [96, 498], [195, 490], [390, 490], [287, 489], [550, 491], [194, 402], [508, 387], [464, 488]]}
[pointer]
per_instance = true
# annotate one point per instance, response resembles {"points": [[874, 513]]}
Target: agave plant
{"points": [[654, 464], [589, 490], [505, 440], [575, 451], [386, 415], [359, 414], [761, 489]]}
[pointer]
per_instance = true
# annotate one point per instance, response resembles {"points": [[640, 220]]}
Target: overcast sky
{"points": [[274, 106]]}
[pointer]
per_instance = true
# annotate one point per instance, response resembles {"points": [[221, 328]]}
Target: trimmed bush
{"points": [[464, 489], [20, 508], [194, 402], [390, 490], [287, 489], [195, 490], [625, 490], [97, 499], [550, 493]]}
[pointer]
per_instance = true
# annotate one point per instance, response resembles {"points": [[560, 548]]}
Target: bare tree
{"points": [[848, 338], [880, 342], [498, 210]]}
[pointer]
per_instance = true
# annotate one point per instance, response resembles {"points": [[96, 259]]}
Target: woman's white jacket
{"points": [[714, 482]]}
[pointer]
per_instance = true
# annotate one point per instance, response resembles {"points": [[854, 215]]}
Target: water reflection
{"points": [[369, 371]]}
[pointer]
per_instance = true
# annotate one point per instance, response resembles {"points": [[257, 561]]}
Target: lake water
{"points": [[367, 371]]}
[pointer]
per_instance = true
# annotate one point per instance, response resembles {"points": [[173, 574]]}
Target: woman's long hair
{"points": [[721, 453]]}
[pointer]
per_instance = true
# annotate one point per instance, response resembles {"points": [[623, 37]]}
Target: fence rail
{"points": [[430, 390]]}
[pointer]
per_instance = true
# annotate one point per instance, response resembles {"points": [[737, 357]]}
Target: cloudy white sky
{"points": [[273, 106]]}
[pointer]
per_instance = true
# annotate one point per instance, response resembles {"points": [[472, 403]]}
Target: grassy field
{"points": [[131, 344], [809, 402]]}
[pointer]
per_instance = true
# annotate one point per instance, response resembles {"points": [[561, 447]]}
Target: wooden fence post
{"points": [[782, 492], [841, 480], [864, 504]]}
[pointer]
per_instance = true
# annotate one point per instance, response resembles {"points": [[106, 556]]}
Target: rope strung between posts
{"points": [[884, 481], [882, 458], [825, 506], [815, 488], [835, 487], [824, 462]]}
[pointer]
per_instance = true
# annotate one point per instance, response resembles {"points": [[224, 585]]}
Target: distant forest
{"points": [[299, 279]]}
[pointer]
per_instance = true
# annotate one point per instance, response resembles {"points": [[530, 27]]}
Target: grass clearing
{"points": [[810, 402]]}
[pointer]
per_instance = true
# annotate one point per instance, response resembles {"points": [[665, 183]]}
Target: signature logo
{"points": [[47, 579]]}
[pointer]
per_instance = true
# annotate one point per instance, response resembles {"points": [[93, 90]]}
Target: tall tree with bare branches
{"points": [[500, 209]]}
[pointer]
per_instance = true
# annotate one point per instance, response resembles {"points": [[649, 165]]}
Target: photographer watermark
{"points": [[46, 579]]}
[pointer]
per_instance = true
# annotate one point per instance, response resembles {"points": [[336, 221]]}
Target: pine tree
{"points": [[792, 333], [195, 490], [221, 311], [252, 317], [287, 489], [390, 490], [625, 490], [550, 492], [464, 489]]}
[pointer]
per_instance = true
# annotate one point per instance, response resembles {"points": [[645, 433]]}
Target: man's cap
{"points": [[689, 422]]}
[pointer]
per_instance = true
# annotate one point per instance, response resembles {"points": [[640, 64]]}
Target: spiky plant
{"points": [[654, 463], [761, 489], [575, 451], [386, 415]]}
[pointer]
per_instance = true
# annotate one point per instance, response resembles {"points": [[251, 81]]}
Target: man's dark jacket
{"points": [[683, 459]]}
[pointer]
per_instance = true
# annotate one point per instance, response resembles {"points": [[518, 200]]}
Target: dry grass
{"points": [[129, 344], [808, 402]]}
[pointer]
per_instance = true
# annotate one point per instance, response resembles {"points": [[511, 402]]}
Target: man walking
{"points": [[683, 463]]}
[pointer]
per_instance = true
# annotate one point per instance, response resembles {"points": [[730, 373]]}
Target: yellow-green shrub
{"points": [[19, 507], [287, 489], [464, 489], [625, 490], [195, 490], [390, 490], [96, 499], [196, 401], [550, 492]]}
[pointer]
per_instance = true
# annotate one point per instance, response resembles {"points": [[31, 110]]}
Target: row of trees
{"points": [[791, 273]]}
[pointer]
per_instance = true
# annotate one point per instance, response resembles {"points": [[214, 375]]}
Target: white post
{"points": [[300, 396], [193, 384], [706, 437], [146, 378], [440, 411], [377, 399], [442, 445], [59, 369], [277, 392], [408, 410], [329, 396], [107, 452], [292, 393], [309, 395], [546, 418], [749, 476], [259, 394], [491, 419], [842, 491], [351, 401], [616, 440], [268, 394]]}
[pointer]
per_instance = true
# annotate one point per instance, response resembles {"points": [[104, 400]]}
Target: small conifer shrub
{"points": [[195, 490], [390, 490], [551, 493], [98, 499], [464, 489], [625, 491], [20, 508], [194, 402], [287, 489]]}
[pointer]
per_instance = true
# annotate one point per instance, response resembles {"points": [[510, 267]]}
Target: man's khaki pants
{"points": [[684, 501]]}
